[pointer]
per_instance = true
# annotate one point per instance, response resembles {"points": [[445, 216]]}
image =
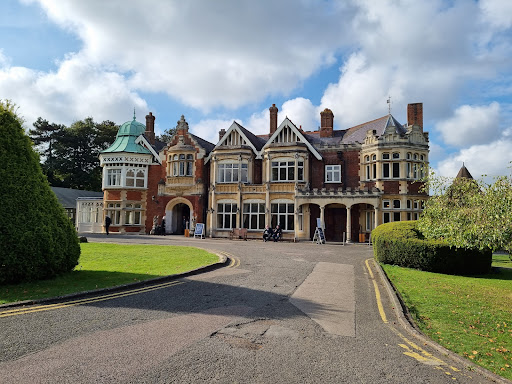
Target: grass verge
{"points": [[107, 265], [471, 316]]}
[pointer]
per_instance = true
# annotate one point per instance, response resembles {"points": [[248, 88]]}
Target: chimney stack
{"points": [[415, 114], [273, 119], [326, 123], [150, 128], [222, 132]]}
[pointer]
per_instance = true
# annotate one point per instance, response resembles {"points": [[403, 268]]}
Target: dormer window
{"points": [[182, 164]]}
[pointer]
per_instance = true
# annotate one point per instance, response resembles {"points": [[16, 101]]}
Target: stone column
{"points": [[349, 226], [376, 218], [322, 210]]}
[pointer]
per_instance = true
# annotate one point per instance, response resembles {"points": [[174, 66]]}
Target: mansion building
{"points": [[351, 180]]}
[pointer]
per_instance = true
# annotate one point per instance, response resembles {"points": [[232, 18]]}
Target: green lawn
{"points": [[107, 265], [471, 316]]}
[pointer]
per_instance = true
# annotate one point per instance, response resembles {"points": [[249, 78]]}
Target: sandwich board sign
{"points": [[319, 236], [199, 230]]}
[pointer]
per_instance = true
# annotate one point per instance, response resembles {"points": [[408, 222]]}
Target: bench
{"points": [[238, 233]]}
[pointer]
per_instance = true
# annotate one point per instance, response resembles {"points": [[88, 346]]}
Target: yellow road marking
{"points": [[235, 261], [411, 349], [41, 308], [377, 294]]}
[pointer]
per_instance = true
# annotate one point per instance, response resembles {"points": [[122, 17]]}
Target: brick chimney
{"points": [[326, 123], [150, 128], [273, 119], [222, 132], [415, 114]]}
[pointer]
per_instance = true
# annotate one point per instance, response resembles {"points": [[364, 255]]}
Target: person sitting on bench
{"points": [[267, 233], [277, 233]]}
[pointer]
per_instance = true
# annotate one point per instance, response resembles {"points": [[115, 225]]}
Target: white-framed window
{"points": [[385, 156], [253, 215], [133, 214], [396, 216], [386, 204], [182, 164], [284, 170], [114, 212], [368, 174], [386, 217], [226, 215], [333, 173], [135, 178], [113, 177], [282, 213], [396, 155], [396, 204], [232, 172]]}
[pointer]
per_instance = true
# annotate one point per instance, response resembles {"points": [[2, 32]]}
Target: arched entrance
{"points": [[177, 212], [335, 222]]}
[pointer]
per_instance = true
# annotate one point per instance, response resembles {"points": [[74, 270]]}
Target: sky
{"points": [[219, 61]]}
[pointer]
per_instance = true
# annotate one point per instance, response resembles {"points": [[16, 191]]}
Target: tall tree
{"points": [[37, 240], [44, 136], [70, 155], [167, 135]]}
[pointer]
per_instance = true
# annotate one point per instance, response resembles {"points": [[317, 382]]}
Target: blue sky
{"points": [[217, 61]]}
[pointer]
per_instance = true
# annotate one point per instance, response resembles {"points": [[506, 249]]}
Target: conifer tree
{"points": [[37, 240]]}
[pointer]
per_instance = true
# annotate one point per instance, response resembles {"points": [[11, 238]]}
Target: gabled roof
{"points": [[147, 145], [253, 141], [358, 133], [302, 138]]}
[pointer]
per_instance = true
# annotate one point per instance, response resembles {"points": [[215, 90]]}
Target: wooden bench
{"points": [[238, 233]]}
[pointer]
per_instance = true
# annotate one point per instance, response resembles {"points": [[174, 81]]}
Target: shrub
{"points": [[37, 240], [83, 239], [402, 244]]}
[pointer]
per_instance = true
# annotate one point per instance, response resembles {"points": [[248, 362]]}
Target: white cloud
{"points": [[209, 129], [77, 90], [302, 113], [491, 159], [207, 54], [497, 12], [471, 125]]}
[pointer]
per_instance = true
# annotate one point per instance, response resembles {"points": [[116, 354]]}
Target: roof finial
{"points": [[389, 104], [133, 113]]}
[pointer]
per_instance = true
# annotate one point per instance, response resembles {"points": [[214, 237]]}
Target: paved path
{"points": [[279, 313]]}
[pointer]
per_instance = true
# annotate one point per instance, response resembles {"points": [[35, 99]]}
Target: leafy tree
{"points": [[167, 135], [45, 136], [71, 154], [37, 240], [469, 214]]}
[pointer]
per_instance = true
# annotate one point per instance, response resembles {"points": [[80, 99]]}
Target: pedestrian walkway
{"points": [[327, 296]]}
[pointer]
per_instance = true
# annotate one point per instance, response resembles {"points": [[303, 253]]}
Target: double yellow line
{"points": [[234, 263], [377, 293], [49, 307]]}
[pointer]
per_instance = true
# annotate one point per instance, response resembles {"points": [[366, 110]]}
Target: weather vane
{"points": [[389, 104]]}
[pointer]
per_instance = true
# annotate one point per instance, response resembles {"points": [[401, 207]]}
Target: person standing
{"points": [[108, 221]]}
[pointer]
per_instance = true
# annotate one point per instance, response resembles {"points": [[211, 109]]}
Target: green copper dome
{"points": [[126, 136], [131, 128]]}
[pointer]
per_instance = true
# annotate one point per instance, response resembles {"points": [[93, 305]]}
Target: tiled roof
{"points": [[203, 143], [67, 196], [257, 141], [463, 173], [358, 133]]}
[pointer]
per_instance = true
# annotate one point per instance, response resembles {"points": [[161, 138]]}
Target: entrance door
{"points": [[177, 219], [335, 223]]}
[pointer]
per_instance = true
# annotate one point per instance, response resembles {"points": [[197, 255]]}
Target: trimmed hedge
{"points": [[37, 240], [401, 243]]}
